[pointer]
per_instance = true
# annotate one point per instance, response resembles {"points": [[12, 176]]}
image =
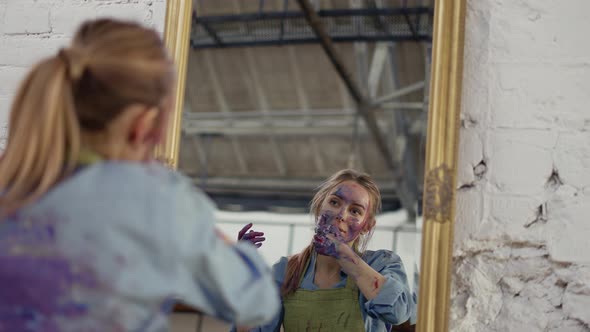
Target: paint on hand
{"points": [[322, 244], [256, 238], [351, 259]]}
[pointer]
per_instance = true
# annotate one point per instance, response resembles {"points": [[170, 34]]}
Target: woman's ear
{"points": [[143, 125]]}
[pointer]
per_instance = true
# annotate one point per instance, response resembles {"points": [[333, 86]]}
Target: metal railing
{"points": [[289, 27]]}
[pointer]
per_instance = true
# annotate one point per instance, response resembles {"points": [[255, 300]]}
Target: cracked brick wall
{"points": [[522, 233], [33, 29]]}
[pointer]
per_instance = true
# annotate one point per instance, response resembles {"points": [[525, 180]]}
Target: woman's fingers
{"points": [[333, 238], [243, 231], [252, 234], [254, 237]]}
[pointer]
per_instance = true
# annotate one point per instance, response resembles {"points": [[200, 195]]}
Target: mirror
{"points": [[275, 96]]}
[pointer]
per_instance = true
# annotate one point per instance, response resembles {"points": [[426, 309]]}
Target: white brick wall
{"points": [[522, 240], [33, 29]]}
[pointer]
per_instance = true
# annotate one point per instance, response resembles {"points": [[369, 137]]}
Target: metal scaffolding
{"points": [[396, 138], [290, 27]]}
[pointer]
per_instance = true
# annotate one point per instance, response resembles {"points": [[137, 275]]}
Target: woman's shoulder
{"points": [[279, 268], [380, 257], [133, 183], [151, 173], [132, 178]]}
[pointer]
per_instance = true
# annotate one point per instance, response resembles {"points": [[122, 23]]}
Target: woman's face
{"points": [[344, 213]]}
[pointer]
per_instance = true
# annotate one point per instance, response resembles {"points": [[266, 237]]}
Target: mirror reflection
{"points": [[275, 105]]}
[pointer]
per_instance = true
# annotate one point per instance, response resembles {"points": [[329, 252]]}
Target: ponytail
{"points": [[110, 65], [44, 136]]}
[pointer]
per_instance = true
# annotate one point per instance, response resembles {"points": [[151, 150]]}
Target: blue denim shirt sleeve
{"points": [[394, 304], [231, 282], [274, 325]]}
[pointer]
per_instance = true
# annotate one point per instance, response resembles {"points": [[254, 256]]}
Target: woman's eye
{"points": [[356, 212], [333, 202]]}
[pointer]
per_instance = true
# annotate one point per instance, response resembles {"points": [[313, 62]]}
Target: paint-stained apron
{"points": [[323, 310]]}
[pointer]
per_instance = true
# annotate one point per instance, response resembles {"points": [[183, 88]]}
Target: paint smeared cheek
{"points": [[355, 228]]}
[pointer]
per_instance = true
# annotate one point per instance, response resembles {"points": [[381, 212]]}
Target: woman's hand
{"points": [[256, 238], [327, 237], [342, 251]]}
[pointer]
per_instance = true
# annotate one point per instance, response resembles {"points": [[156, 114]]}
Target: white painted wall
{"points": [[522, 239], [277, 227]]}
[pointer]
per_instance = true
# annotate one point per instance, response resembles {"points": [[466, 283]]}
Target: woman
{"points": [[94, 237], [334, 284]]}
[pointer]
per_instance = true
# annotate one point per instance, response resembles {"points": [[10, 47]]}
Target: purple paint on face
{"points": [[351, 201], [346, 193], [355, 229]]}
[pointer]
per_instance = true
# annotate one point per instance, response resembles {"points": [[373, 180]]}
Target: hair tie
{"points": [[75, 63]]}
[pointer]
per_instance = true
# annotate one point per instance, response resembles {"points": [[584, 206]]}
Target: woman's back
{"points": [[110, 248]]}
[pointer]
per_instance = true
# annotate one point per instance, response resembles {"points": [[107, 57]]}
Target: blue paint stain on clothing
{"points": [[37, 279]]}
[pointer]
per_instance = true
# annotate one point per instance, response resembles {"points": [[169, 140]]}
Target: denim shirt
{"points": [[112, 248], [393, 305]]}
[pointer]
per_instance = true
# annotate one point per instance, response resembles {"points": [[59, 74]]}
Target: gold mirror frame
{"points": [[441, 148]]}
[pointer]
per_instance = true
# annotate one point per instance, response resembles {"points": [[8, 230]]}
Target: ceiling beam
{"points": [[401, 92], [304, 104], [277, 131], [225, 109], [283, 184], [265, 108], [362, 104]]}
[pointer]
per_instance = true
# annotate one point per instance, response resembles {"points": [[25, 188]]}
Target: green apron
{"points": [[335, 309]]}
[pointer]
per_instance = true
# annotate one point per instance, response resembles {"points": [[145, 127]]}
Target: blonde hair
{"points": [[110, 65], [297, 263]]}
